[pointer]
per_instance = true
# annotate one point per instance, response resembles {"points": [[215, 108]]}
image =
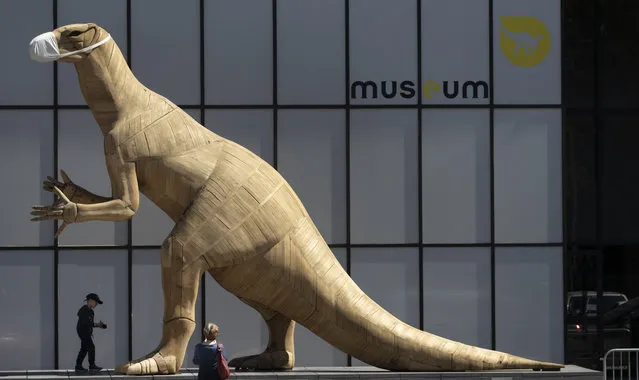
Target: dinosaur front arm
{"points": [[126, 195], [111, 211], [122, 206], [82, 195]]}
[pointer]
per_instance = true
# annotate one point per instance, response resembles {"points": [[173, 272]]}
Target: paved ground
{"points": [[323, 373]]}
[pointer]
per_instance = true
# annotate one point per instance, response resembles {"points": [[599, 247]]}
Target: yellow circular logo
{"points": [[524, 40]]}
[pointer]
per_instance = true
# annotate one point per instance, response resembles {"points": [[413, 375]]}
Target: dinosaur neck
{"points": [[108, 85]]}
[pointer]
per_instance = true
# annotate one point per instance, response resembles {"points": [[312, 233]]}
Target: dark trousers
{"points": [[86, 346]]}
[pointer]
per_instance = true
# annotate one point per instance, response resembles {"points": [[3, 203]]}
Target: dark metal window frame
{"points": [[347, 106]]}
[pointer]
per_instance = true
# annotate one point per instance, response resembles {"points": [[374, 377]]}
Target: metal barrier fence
{"points": [[624, 361]]}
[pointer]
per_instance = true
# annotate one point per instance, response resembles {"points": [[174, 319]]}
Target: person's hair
{"points": [[211, 331]]}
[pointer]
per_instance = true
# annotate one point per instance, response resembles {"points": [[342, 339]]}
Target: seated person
{"points": [[205, 356]]}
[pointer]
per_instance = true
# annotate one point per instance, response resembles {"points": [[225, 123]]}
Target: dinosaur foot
{"points": [[268, 360], [155, 363]]}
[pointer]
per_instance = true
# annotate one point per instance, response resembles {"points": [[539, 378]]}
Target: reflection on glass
{"points": [[310, 52], [167, 59], [26, 310], [383, 174], [238, 51]]}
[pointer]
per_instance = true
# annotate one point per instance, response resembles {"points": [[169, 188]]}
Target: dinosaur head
{"points": [[68, 43]]}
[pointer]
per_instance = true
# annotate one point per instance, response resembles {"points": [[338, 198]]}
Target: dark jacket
{"points": [[85, 322], [205, 357]]}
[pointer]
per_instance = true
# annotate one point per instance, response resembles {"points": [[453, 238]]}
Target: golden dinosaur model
{"points": [[235, 218]]}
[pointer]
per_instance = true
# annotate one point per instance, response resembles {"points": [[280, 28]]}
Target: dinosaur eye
{"points": [[74, 33]]}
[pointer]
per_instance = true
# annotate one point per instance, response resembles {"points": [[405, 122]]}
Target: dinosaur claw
{"points": [[155, 365], [269, 360]]}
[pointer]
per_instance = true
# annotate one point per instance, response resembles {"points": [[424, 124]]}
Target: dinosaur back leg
{"points": [[280, 351]]}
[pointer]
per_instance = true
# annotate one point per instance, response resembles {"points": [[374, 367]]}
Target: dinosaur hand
{"points": [[67, 187], [62, 209]]}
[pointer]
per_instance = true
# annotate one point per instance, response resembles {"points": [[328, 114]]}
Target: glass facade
{"points": [[444, 145]]}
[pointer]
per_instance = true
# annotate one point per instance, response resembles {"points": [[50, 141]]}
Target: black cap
{"points": [[93, 296]]}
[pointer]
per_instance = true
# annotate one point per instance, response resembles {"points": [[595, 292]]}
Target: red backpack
{"points": [[222, 365]]}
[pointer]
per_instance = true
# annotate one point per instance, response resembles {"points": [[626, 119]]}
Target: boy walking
{"points": [[84, 329]]}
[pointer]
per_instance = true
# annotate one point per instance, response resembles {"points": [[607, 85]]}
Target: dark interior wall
{"points": [[620, 182], [601, 95]]}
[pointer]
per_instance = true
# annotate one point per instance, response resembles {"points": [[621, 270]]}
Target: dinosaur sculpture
{"points": [[237, 219]]}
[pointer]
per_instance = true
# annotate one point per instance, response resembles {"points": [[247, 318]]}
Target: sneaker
{"points": [[94, 368], [80, 369]]}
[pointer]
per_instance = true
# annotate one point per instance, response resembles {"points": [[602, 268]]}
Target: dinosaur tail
{"points": [[302, 279], [345, 317]]}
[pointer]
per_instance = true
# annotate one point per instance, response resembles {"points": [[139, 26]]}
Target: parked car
{"points": [[576, 304], [581, 319]]}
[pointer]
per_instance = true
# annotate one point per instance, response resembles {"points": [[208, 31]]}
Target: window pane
{"points": [[27, 310], [148, 306], [150, 224], [313, 351], [252, 129], [527, 51], [384, 195], [81, 156], [312, 158], [94, 271], [529, 302], [23, 80], [451, 39], [167, 59], [383, 50], [457, 294], [456, 176], [238, 38], [310, 51], [528, 176], [26, 148], [399, 292], [111, 16]]}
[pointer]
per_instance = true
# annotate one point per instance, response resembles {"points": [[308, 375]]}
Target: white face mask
{"points": [[44, 48]]}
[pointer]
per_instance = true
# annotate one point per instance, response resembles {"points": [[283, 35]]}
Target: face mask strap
{"points": [[88, 48]]}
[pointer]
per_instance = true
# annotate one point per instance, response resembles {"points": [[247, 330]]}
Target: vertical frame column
{"points": [[491, 84], [347, 98], [56, 252], [203, 122], [129, 243], [420, 198]]}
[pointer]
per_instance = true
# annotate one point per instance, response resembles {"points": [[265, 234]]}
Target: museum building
{"points": [[469, 162]]}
